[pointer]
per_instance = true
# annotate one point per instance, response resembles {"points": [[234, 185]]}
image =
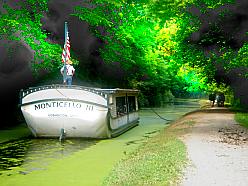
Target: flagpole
{"points": [[65, 48]]}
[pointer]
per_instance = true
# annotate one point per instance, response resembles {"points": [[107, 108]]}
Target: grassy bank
{"points": [[242, 119], [157, 162]]}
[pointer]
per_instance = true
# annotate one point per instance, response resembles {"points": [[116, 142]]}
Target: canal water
{"points": [[35, 154], [39, 157]]}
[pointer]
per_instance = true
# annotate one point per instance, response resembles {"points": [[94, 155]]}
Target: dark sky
{"points": [[16, 56]]}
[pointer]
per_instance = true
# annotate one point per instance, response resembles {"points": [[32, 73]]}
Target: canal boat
{"points": [[77, 111]]}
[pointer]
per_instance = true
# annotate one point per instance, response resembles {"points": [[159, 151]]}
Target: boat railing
{"points": [[30, 90]]}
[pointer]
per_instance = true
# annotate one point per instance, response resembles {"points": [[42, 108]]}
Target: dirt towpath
{"points": [[217, 150]]}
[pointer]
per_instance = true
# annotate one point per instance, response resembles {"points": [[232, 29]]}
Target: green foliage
{"points": [[212, 3], [227, 57], [163, 10], [148, 38], [231, 59], [24, 25], [240, 59], [242, 119], [218, 88], [222, 88], [193, 78], [119, 24], [152, 53]]}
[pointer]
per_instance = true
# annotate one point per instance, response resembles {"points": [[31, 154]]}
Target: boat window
{"points": [[131, 104], [121, 107]]}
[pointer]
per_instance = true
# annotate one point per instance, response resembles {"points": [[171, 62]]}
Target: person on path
{"points": [[212, 98], [69, 73], [220, 99]]}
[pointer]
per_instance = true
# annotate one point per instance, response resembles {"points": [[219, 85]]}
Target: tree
{"points": [[150, 39], [24, 25]]}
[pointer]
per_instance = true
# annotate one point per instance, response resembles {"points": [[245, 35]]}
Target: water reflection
{"points": [[36, 154], [12, 153]]}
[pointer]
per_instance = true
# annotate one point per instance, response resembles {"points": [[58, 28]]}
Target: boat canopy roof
{"points": [[118, 90], [99, 91]]}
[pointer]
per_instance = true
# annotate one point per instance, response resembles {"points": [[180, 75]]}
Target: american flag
{"points": [[66, 51]]}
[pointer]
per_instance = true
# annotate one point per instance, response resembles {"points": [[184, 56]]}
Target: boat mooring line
{"points": [[62, 94], [160, 115]]}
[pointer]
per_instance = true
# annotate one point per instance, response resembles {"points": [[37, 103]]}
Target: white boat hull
{"points": [[83, 120], [77, 111]]}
